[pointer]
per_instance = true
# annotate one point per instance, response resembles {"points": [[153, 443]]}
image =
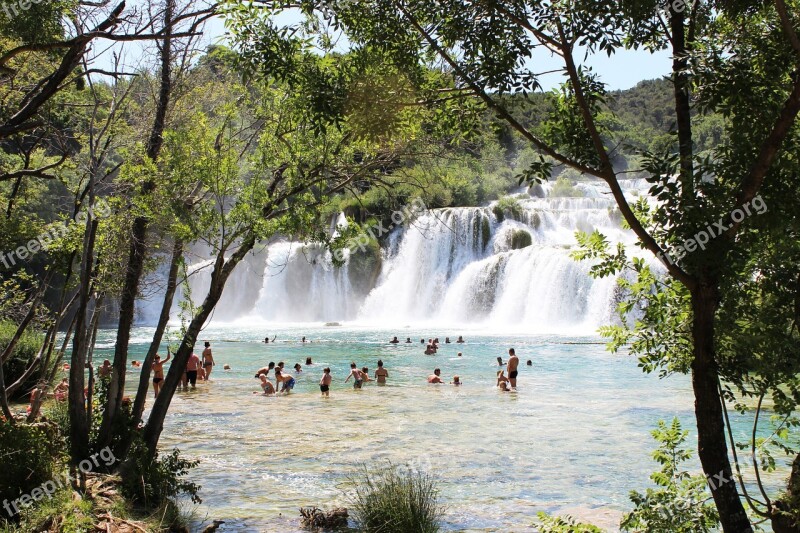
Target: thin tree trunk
{"points": [[219, 276], [28, 318], [95, 323], [163, 319], [79, 423], [138, 246], [4, 397], [712, 445]]}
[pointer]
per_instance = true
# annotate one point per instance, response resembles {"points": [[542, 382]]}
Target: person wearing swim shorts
{"points": [[158, 373], [208, 360], [192, 365], [325, 382], [513, 363], [287, 382], [355, 373]]}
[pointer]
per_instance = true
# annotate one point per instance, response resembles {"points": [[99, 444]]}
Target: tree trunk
{"points": [[79, 422], [219, 276], [4, 397], [712, 444], [137, 251], [166, 307], [680, 81]]}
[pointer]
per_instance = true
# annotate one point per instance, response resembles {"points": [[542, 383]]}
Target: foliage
{"points": [[122, 427], [520, 238], [23, 355], [563, 524], [565, 188], [32, 454], [394, 500], [508, 207], [151, 482], [680, 503]]}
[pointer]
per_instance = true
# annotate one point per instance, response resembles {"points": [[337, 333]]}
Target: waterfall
{"points": [[506, 264]]}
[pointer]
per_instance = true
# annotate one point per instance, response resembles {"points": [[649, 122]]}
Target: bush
{"points": [[24, 352], [31, 456], [151, 483], [520, 239], [393, 500], [563, 187], [508, 207]]}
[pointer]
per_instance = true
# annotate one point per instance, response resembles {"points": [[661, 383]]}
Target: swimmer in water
{"points": [[502, 380], [266, 386], [365, 373], [435, 377]]}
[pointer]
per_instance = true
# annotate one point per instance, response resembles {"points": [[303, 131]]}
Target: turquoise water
{"points": [[574, 438]]}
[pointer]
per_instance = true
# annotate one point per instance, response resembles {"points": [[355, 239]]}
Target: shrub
{"points": [[508, 207], [393, 500], [24, 352], [31, 456], [563, 187], [151, 483], [520, 239]]}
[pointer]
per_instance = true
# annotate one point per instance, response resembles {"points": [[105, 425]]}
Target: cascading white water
{"points": [[455, 265]]}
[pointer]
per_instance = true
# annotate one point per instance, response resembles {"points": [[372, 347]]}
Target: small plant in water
{"points": [[680, 502], [394, 500]]}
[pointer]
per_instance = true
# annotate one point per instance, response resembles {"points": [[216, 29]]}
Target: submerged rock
{"points": [[315, 518]]}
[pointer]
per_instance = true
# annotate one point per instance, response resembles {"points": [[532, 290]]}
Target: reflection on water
{"points": [[575, 438]]}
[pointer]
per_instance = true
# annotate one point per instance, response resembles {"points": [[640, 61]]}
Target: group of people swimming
{"points": [[433, 344], [285, 382]]}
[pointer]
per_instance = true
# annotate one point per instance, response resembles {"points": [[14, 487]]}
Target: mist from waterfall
{"points": [[464, 265]]}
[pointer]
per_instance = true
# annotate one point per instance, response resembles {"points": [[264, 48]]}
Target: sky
{"points": [[621, 71]]}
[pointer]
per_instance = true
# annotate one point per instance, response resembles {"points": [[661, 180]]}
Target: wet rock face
{"points": [[520, 239]]}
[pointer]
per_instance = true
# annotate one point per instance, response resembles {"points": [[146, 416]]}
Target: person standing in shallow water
{"points": [[325, 382], [208, 360], [513, 363], [158, 372], [381, 374], [355, 373], [190, 376]]}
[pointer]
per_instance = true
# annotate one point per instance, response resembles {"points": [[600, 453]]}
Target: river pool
{"points": [[574, 439]]}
